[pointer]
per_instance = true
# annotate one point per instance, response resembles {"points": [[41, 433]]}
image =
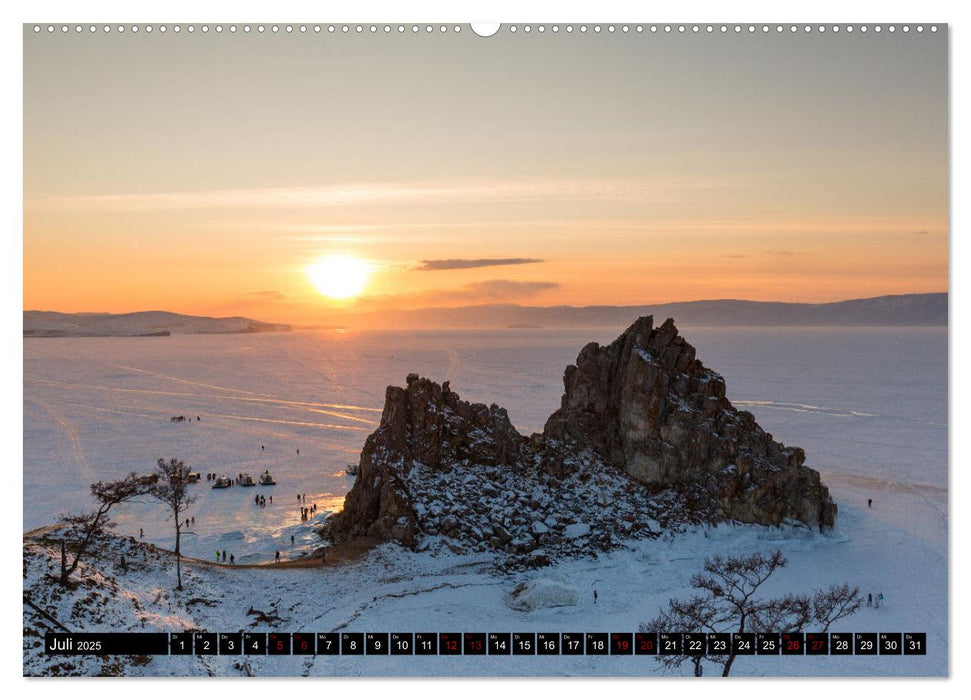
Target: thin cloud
{"points": [[466, 264], [487, 291], [490, 291], [375, 194], [504, 290]]}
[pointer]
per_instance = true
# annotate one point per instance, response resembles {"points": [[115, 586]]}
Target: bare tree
{"points": [[835, 604], [727, 602], [84, 528], [171, 488]]}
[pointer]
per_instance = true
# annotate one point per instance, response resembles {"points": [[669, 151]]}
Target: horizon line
{"points": [[504, 305]]}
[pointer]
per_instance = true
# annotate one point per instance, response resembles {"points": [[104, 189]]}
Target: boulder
{"points": [[542, 593]]}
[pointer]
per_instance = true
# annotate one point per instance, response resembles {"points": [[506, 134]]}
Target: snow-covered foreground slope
{"points": [[394, 590], [869, 406]]}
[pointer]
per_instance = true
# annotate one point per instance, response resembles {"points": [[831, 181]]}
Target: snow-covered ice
{"points": [[868, 405]]}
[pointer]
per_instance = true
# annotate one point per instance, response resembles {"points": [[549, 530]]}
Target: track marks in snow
{"points": [[806, 408], [309, 406], [828, 411], [75, 439]]}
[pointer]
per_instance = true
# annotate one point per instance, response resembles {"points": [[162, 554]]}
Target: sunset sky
{"points": [[209, 174]]}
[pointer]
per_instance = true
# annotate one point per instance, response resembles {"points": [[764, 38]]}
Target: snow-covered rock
{"points": [[641, 443], [542, 593], [576, 530]]}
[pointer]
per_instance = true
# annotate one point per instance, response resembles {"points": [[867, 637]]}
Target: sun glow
{"points": [[339, 276]]}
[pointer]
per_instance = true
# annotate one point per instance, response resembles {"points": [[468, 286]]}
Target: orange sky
{"points": [[205, 175]]}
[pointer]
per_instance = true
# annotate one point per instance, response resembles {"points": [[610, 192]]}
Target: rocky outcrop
{"points": [[424, 424], [643, 431], [647, 405], [438, 466]]}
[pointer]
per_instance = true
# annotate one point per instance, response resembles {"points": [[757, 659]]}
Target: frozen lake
{"points": [[869, 406]]}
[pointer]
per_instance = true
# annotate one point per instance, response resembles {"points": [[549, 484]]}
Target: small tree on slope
{"points": [[171, 488], [727, 602], [84, 528]]}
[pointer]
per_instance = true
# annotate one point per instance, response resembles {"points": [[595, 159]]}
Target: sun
{"points": [[339, 276]]}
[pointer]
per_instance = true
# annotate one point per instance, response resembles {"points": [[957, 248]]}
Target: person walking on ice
{"points": [[869, 503], [879, 599], [869, 600]]}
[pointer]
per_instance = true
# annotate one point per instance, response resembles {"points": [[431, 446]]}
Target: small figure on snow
{"points": [[869, 503], [869, 600]]}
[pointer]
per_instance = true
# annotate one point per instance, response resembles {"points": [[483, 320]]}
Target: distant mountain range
{"points": [[51, 324], [899, 310]]}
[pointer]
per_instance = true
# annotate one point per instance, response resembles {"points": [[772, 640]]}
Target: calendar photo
{"points": [[514, 350]]}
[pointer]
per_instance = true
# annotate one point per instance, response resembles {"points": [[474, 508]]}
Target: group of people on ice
{"points": [[306, 512], [231, 560]]}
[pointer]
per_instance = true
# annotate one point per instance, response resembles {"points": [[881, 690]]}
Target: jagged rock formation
{"points": [[438, 465], [648, 406], [645, 439], [423, 424]]}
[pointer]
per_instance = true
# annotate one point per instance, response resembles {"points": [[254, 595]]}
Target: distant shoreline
{"points": [[140, 324], [159, 334], [904, 310]]}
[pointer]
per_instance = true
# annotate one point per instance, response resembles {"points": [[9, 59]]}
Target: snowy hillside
{"points": [[394, 590]]}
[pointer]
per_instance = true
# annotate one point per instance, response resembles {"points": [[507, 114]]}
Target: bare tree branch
{"points": [[85, 527], [727, 603]]}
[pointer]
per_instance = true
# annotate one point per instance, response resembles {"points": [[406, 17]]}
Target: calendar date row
{"points": [[491, 643]]}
